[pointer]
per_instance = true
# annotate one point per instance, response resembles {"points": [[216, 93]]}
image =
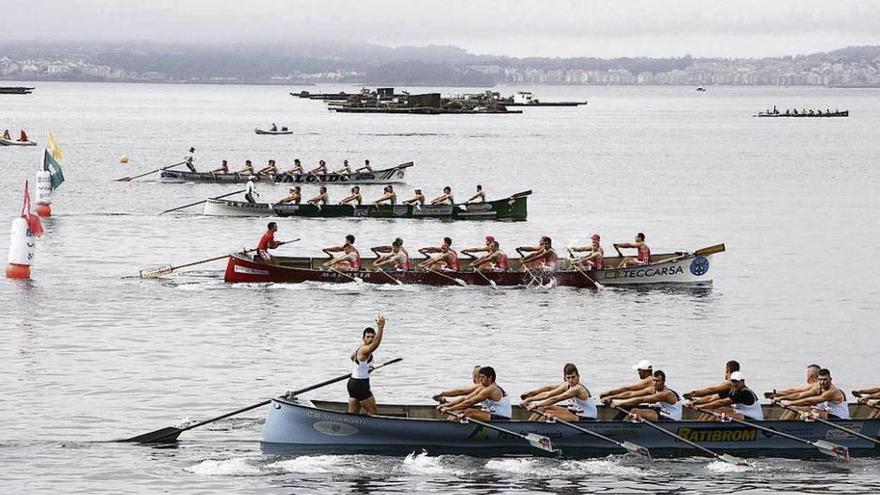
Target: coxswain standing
{"points": [[446, 258], [389, 196], [738, 402], [493, 261], [445, 198], [393, 256], [494, 403], [297, 168], [365, 168], [320, 169], [543, 256], [593, 257], [267, 242], [478, 195], [360, 396], [663, 402], [269, 169], [250, 190], [579, 405], [461, 391], [294, 197], [828, 402], [354, 196], [417, 199], [322, 198], [643, 257], [222, 169], [188, 160], [248, 168]]}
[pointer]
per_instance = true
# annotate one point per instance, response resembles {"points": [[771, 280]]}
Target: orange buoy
{"points": [[44, 193], [22, 247]]}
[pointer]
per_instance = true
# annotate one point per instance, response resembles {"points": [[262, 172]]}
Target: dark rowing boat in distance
{"points": [[302, 426], [391, 175], [513, 208], [669, 269]]}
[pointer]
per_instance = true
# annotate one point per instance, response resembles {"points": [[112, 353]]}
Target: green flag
{"points": [[54, 169]]}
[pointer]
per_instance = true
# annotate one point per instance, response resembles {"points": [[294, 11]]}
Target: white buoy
{"points": [[123, 159], [22, 247], [44, 193]]}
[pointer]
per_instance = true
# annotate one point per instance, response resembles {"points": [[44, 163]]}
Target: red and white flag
{"points": [[27, 212]]}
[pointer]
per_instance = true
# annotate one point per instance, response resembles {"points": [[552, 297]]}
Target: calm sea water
{"points": [[87, 356]]}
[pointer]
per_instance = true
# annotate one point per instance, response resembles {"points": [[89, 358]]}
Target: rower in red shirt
{"points": [[446, 259], [268, 242], [543, 256], [24, 137], [643, 257]]}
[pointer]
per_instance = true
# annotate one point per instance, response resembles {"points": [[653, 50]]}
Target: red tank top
{"points": [[550, 258], [357, 259], [455, 265], [644, 256], [600, 262], [407, 264], [503, 263]]}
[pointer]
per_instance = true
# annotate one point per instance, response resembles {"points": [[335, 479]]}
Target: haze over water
{"points": [[88, 356]]}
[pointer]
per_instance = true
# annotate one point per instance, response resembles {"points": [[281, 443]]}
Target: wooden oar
{"points": [[170, 433], [706, 251], [356, 280], [597, 285], [825, 447], [127, 179], [630, 447], [480, 272], [736, 461], [456, 280], [397, 281], [202, 201], [537, 441], [832, 425], [158, 271]]}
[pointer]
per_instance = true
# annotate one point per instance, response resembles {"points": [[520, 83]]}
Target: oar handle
{"points": [[224, 256], [202, 201]]}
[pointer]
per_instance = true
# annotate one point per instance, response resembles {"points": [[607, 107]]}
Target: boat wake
{"points": [[320, 464], [236, 466], [551, 468], [725, 467]]}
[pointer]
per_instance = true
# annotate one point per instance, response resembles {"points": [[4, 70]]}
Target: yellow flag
{"points": [[53, 147]]}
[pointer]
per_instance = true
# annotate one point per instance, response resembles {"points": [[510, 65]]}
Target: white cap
{"points": [[644, 364], [737, 376]]}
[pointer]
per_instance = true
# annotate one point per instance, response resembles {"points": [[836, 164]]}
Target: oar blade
{"points": [[461, 282], [165, 435], [637, 450], [717, 248], [156, 271], [540, 442], [832, 449], [730, 459]]}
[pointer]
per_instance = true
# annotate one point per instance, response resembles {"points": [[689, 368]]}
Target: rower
{"points": [[366, 167], [274, 127], [418, 198], [250, 190], [349, 260], [6, 135], [827, 402], [248, 168], [870, 397], [296, 169], [321, 199], [594, 257], [354, 196], [354, 262], [222, 169], [811, 383], [461, 391], [737, 402], [446, 259], [267, 242], [294, 197], [320, 169], [188, 160], [269, 169], [644, 252], [663, 403], [579, 406], [493, 261], [494, 403], [24, 138], [714, 392], [393, 256], [479, 194], [645, 382], [543, 256], [484, 249], [345, 169], [390, 196], [360, 397], [445, 198]]}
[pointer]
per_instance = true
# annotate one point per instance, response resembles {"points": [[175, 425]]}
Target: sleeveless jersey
{"points": [[583, 408], [357, 259], [361, 369], [455, 266], [670, 411], [503, 263], [752, 411], [502, 408], [841, 409], [644, 256]]}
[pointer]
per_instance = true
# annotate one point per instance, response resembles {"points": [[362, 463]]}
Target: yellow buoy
{"points": [[123, 159]]}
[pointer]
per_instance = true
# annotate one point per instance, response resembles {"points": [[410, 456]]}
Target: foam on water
{"points": [[550, 468], [725, 467], [318, 464], [236, 466], [422, 463]]}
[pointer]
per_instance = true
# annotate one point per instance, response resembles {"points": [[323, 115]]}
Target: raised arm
{"points": [[372, 346]]}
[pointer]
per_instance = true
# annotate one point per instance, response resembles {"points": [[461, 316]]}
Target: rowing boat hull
{"points": [[272, 133], [392, 175], [686, 270], [305, 427], [10, 142], [844, 113], [514, 208]]}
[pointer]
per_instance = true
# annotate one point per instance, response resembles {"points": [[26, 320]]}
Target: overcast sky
{"points": [[731, 28]]}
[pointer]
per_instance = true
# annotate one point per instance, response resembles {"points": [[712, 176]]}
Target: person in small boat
{"points": [[354, 196], [349, 260], [222, 169], [23, 138], [394, 256], [345, 169], [543, 256], [445, 259], [248, 168], [250, 190], [445, 198], [188, 160], [296, 169], [828, 402], [461, 391], [418, 198], [662, 403], [738, 401], [267, 242], [294, 196], [360, 397], [274, 127], [493, 261], [643, 257], [6, 135], [365, 168], [593, 257], [269, 169], [870, 397], [811, 383], [578, 404], [320, 169], [645, 382], [389, 196], [478, 195], [494, 403], [322, 198]]}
